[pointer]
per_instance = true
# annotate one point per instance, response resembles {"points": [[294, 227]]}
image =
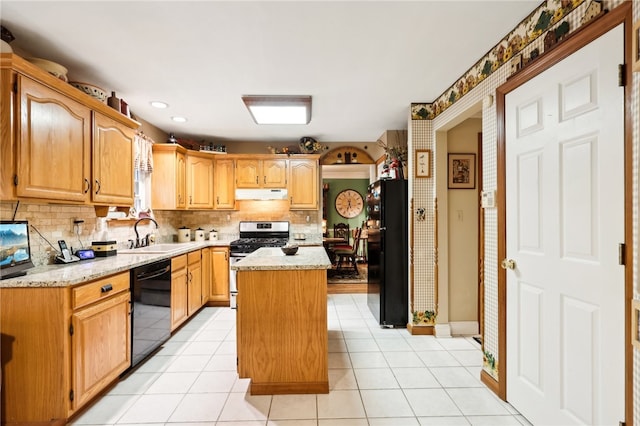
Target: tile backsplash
{"points": [[53, 222]]}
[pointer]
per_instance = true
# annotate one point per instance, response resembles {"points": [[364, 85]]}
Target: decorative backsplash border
{"points": [[546, 17]]}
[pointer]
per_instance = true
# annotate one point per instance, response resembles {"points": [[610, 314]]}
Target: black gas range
{"points": [[254, 235]]}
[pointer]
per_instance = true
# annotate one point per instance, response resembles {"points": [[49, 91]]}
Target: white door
{"points": [[565, 219]]}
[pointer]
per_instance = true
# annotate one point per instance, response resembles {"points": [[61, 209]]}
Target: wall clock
{"points": [[349, 203]]}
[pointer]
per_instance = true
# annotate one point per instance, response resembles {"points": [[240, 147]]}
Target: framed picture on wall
{"points": [[423, 163], [635, 47], [462, 171]]}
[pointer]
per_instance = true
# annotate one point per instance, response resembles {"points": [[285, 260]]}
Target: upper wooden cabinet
{"points": [[168, 180], [53, 144], [224, 184], [199, 181], [261, 173], [59, 144], [303, 184], [112, 171]]}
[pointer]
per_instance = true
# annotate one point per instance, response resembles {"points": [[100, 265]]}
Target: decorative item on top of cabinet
{"points": [[303, 184]]}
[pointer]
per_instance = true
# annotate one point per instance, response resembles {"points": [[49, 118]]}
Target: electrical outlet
{"points": [[77, 226]]}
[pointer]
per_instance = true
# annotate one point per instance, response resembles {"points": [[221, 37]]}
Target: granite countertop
{"points": [[309, 240], [272, 258], [88, 270]]}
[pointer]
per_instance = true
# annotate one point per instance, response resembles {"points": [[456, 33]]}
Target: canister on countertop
{"points": [[184, 235], [199, 234], [213, 235]]}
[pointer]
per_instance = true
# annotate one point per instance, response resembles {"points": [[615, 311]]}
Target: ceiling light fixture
{"points": [[179, 119], [279, 109], [159, 104]]}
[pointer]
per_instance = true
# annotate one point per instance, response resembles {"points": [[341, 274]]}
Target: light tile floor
{"points": [[377, 377]]}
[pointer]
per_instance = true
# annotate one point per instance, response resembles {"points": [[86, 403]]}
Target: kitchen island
{"points": [[282, 334]]}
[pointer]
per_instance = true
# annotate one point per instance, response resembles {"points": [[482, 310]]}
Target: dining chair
{"points": [[341, 230], [349, 256]]}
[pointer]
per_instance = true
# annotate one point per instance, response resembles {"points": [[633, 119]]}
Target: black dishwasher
{"points": [[151, 319]]}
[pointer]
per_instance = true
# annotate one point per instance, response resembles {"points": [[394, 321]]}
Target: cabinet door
{"points": [[200, 182], [274, 174], [179, 301], [113, 154], [181, 180], [54, 145], [248, 173], [303, 184], [224, 185], [168, 180], [219, 286], [100, 346], [194, 291]]}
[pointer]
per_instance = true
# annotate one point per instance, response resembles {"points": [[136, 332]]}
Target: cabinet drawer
{"points": [[99, 289], [194, 257], [178, 262]]}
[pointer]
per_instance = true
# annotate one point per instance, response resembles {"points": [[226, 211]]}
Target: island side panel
{"points": [[282, 331]]}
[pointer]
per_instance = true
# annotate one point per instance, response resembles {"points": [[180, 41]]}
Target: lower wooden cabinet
{"points": [[179, 301], [194, 282], [219, 276], [100, 346], [186, 287], [61, 346]]}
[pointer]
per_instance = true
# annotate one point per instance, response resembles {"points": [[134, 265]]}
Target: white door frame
{"points": [[621, 14]]}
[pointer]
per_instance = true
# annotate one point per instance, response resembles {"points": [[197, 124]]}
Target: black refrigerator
{"points": [[387, 251]]}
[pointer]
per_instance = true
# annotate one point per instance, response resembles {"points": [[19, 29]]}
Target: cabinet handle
{"points": [[106, 288], [265, 179], [190, 276], [98, 185], [291, 200], [88, 185], [218, 200], [256, 179], [190, 199]]}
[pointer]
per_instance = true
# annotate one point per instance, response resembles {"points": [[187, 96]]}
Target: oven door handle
{"points": [[148, 275]]}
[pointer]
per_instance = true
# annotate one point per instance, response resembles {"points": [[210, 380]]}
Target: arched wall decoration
{"points": [[346, 155]]}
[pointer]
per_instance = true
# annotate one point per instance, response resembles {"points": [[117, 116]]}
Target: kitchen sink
{"points": [[156, 249]]}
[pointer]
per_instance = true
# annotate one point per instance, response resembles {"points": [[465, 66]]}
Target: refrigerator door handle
{"points": [[382, 228]]}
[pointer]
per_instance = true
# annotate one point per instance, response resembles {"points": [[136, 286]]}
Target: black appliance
{"points": [[151, 308], [254, 235], [387, 250]]}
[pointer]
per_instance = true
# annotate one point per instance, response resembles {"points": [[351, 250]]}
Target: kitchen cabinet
{"points": [[218, 291], [224, 184], [303, 184], [199, 181], [179, 291], [61, 346], [186, 287], [194, 280], [168, 180], [101, 341], [54, 137], [53, 146], [113, 154], [261, 173]]}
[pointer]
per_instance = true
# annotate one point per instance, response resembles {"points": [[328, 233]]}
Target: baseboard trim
{"points": [[464, 328], [443, 330], [420, 330]]}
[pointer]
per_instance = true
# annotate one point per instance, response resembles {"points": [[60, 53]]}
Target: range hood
{"points": [[261, 194]]}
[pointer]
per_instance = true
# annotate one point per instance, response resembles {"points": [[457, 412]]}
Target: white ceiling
{"points": [[363, 62]]}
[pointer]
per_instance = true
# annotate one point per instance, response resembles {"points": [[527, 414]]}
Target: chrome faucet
{"points": [[145, 240]]}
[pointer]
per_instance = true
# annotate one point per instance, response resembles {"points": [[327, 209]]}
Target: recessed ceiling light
{"points": [[279, 109], [179, 119], [159, 104]]}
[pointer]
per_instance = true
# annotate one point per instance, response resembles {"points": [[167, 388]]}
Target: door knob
{"points": [[508, 264]]}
